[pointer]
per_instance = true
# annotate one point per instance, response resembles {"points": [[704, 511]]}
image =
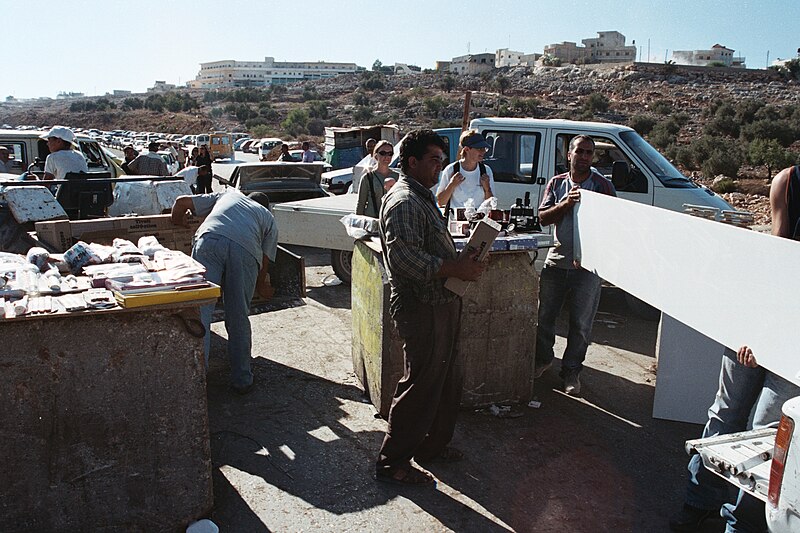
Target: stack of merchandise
{"points": [[94, 276]]}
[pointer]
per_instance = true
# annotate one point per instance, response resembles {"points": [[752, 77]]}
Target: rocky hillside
{"points": [[712, 122]]}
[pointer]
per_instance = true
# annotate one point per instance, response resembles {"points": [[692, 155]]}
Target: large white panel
{"points": [[688, 372], [733, 285]]}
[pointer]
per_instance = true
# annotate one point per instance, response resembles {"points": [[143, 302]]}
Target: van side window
{"points": [[18, 156], [513, 156], [606, 153], [93, 154]]}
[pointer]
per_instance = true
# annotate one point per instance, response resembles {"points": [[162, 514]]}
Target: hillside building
{"points": [[504, 57], [717, 54], [607, 47], [230, 73], [472, 64], [161, 87]]}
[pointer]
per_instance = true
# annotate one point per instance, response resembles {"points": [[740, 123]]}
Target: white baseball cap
{"points": [[60, 132]]}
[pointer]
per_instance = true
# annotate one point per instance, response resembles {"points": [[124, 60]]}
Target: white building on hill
{"points": [[230, 73]]}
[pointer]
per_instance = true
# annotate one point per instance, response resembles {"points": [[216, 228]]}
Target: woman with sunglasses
{"points": [[373, 184], [468, 178]]}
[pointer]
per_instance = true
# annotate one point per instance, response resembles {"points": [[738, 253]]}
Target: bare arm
{"points": [[455, 180], [778, 204], [553, 215], [182, 205], [263, 286], [465, 267]]}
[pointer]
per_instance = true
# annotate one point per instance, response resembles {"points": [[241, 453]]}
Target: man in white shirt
{"points": [[308, 155], [62, 159]]}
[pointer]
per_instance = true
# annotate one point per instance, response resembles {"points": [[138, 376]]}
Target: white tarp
{"points": [[733, 285], [146, 197]]}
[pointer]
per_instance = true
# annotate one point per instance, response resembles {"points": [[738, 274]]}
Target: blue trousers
{"points": [[235, 270], [580, 289], [741, 390]]}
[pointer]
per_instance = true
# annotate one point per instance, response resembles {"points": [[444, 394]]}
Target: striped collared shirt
{"points": [[415, 243]]}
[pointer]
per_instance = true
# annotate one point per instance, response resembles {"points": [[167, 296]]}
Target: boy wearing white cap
{"points": [[62, 159]]}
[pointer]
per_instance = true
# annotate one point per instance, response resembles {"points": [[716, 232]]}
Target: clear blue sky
{"points": [[94, 46]]}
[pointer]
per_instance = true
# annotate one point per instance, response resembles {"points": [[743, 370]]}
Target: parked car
{"points": [[283, 182], [266, 146], [237, 146], [245, 146]]}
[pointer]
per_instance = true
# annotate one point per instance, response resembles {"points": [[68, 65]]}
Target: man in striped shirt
{"points": [[420, 255], [563, 279]]}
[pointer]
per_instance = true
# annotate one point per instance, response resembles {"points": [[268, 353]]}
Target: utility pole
{"points": [[767, 65], [648, 49]]}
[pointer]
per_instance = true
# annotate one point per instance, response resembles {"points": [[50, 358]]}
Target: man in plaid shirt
{"points": [[149, 164], [420, 255]]}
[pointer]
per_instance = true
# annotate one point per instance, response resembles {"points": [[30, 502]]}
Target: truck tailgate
{"points": [[315, 222], [743, 459]]}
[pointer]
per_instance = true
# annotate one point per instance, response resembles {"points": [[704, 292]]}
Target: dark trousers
{"points": [[423, 414], [204, 184]]}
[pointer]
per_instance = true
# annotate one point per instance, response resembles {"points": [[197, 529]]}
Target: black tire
{"points": [[341, 261], [642, 309]]}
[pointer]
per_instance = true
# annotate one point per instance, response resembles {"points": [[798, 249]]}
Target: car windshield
{"points": [[294, 171], [666, 173]]}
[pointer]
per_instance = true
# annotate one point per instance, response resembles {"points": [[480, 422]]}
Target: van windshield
{"points": [[667, 174]]}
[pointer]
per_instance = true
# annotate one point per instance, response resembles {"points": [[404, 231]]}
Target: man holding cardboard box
{"points": [[420, 255]]}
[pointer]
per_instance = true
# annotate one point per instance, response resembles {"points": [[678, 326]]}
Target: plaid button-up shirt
{"points": [[148, 165], [415, 243]]}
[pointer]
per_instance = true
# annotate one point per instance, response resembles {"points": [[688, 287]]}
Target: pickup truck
{"points": [[763, 462], [524, 154]]}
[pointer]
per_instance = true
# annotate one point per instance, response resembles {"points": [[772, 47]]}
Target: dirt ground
{"points": [[297, 453]]}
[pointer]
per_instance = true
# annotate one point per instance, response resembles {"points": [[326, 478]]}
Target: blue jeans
{"points": [[747, 513], [581, 291], [739, 387], [235, 270]]}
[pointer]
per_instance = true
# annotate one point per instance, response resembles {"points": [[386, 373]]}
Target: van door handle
{"points": [[540, 181]]}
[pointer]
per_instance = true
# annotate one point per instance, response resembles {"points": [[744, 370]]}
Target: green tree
{"points": [[447, 83], [434, 105], [377, 66], [780, 130], [398, 101], [317, 109], [502, 83], [296, 122], [770, 153], [662, 107]]}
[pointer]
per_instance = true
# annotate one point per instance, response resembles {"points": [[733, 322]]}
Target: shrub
{"points": [[642, 124], [398, 101], [372, 81], [261, 130], [448, 83], [362, 114], [664, 133], [780, 130], [746, 110], [317, 109], [526, 106], [216, 112], [596, 103], [359, 98], [131, 103], [727, 126], [662, 107], [316, 127], [724, 185], [434, 105], [278, 89], [310, 94], [720, 156]]}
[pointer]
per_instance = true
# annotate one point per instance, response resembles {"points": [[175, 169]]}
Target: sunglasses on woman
{"points": [[386, 154]]}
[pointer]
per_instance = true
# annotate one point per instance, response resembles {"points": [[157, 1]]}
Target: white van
{"points": [[525, 153], [26, 147]]}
